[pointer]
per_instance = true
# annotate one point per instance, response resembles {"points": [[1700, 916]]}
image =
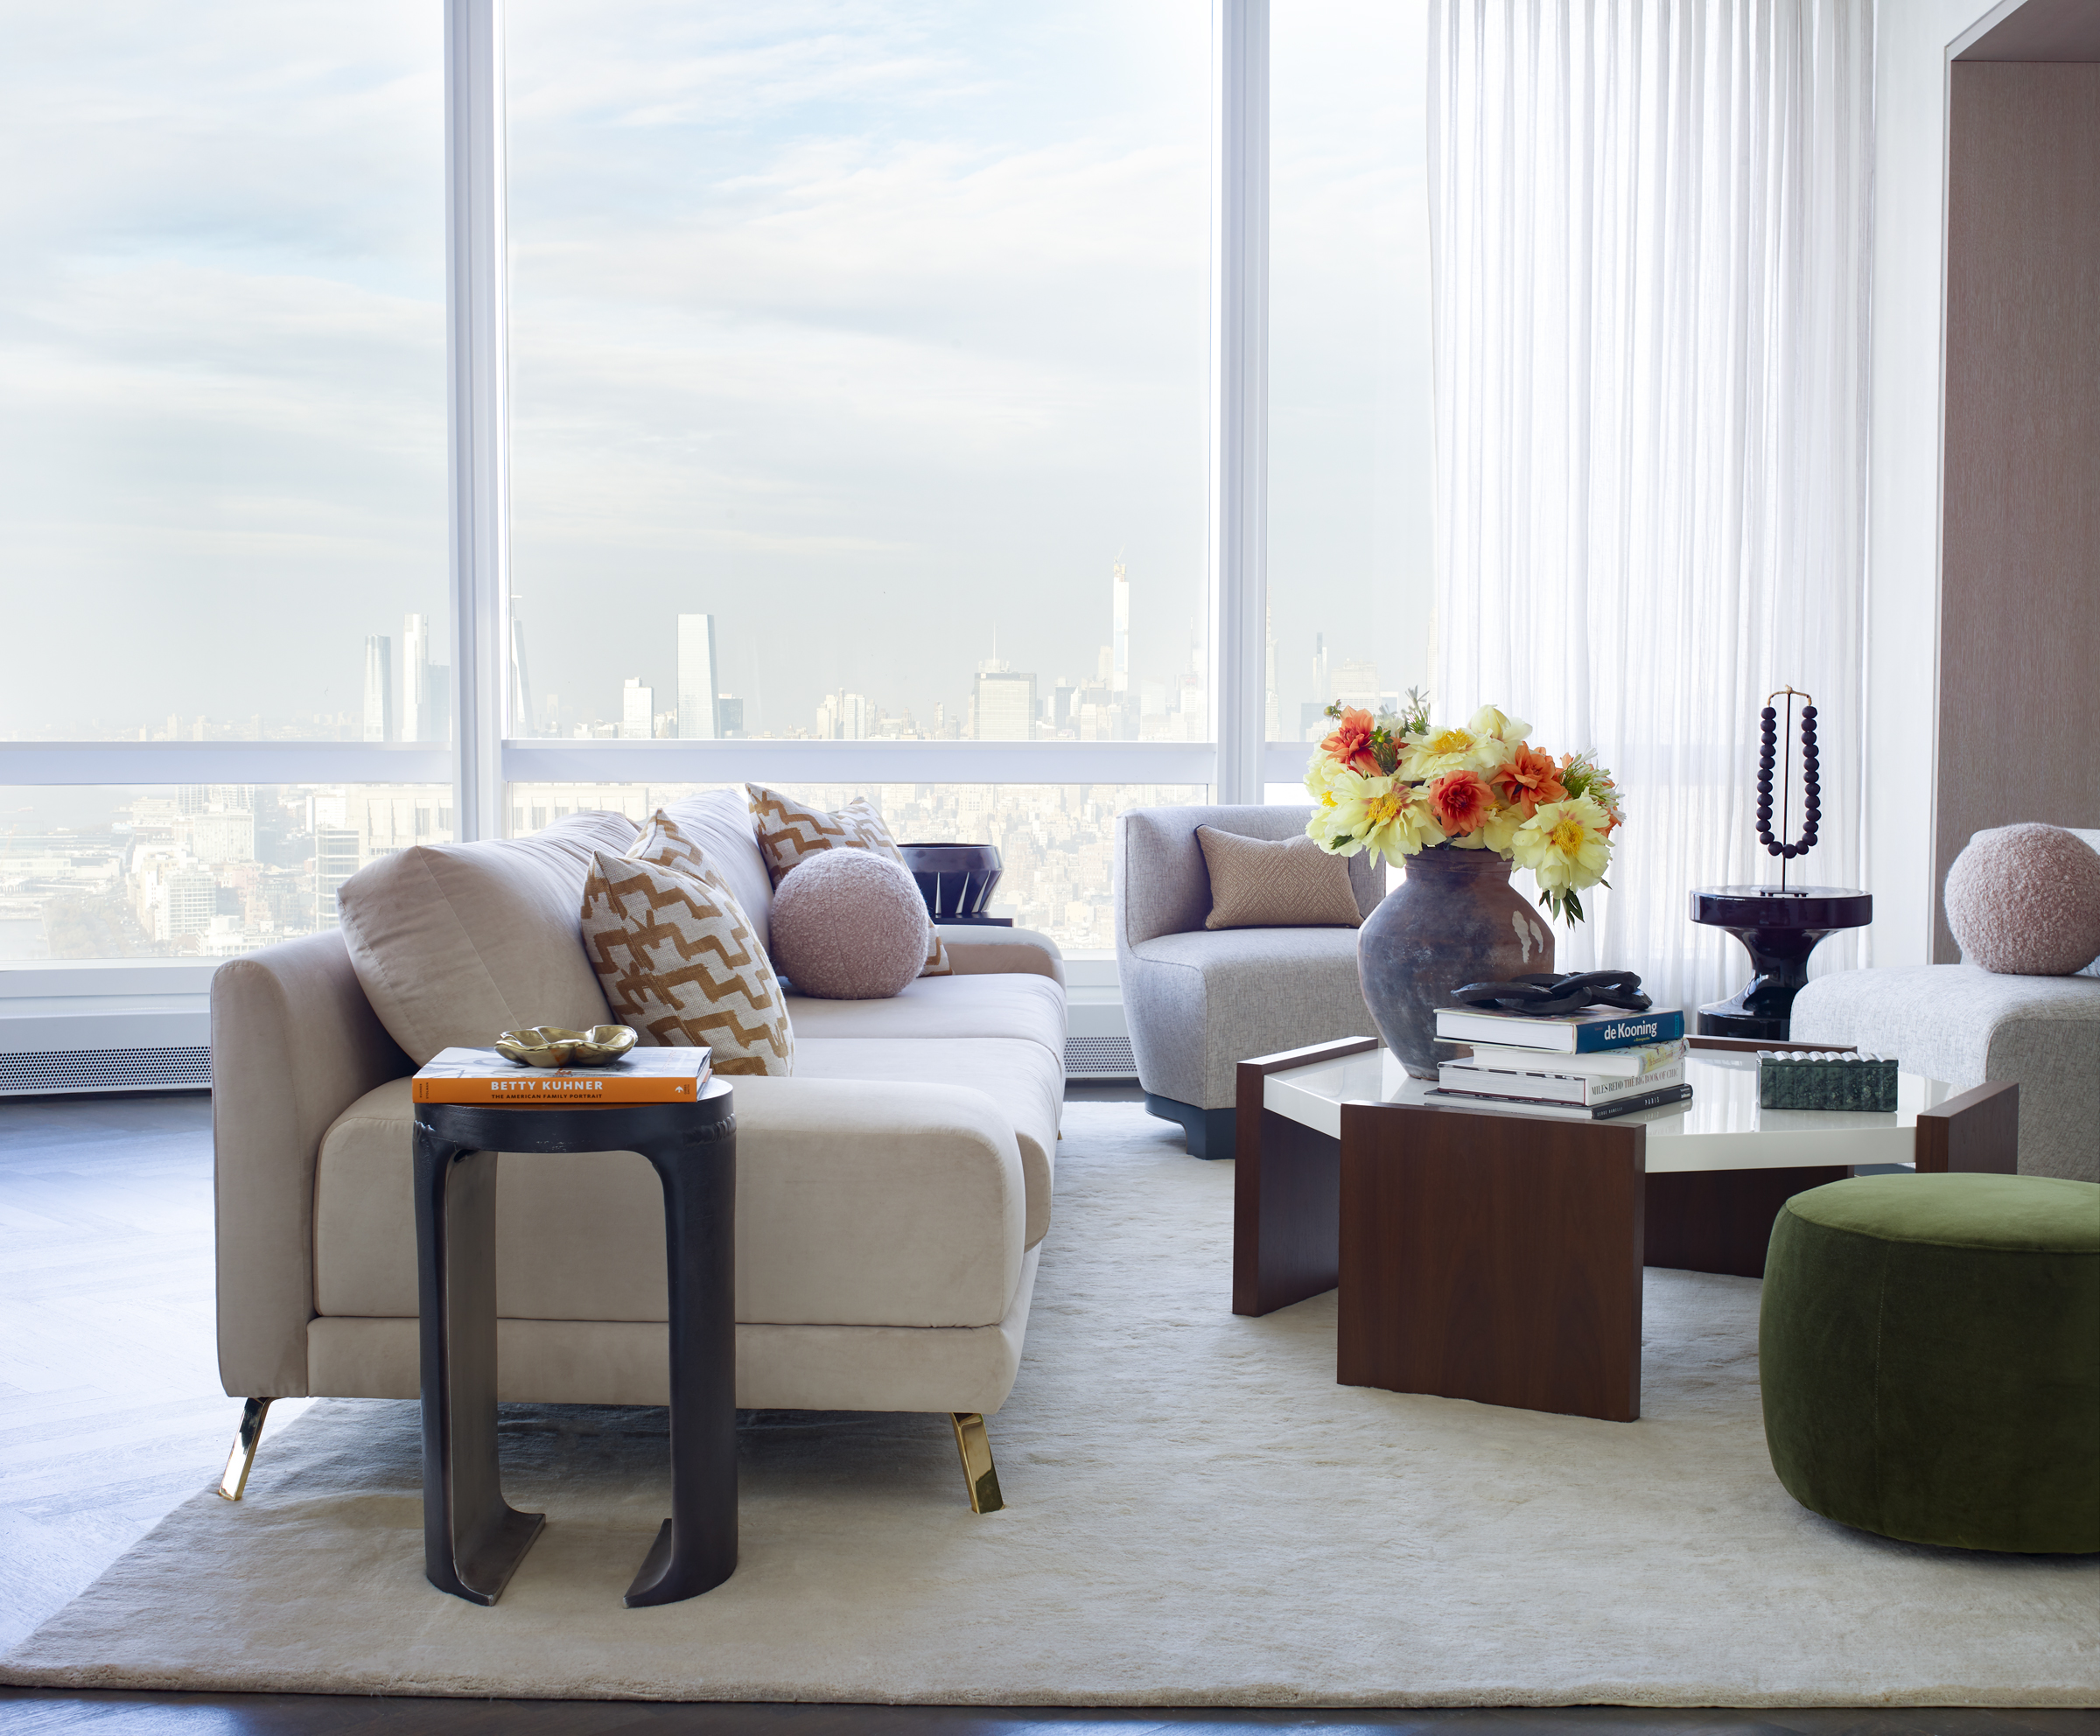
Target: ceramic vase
{"points": [[1453, 919]]}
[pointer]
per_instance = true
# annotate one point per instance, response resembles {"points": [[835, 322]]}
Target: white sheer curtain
{"points": [[1649, 226]]}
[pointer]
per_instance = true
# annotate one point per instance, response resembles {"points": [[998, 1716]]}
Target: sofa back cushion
{"points": [[718, 822], [1162, 886], [453, 943]]}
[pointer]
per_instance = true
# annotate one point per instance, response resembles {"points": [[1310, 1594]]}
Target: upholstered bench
{"points": [[1930, 1350]]}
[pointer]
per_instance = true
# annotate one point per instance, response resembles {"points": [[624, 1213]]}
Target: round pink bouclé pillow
{"points": [[849, 925], [2024, 902]]}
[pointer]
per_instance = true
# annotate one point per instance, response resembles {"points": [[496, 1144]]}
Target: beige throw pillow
{"points": [[1275, 883], [791, 832], [456, 943], [679, 962]]}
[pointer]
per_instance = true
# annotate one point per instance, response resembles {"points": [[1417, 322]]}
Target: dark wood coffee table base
{"points": [[1488, 1257], [1491, 1258]]}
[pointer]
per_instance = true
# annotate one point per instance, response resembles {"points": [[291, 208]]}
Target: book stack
{"points": [[639, 1076], [1589, 1066]]}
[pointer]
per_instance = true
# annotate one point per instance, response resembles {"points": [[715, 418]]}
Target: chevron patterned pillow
{"points": [[678, 961], [791, 832]]}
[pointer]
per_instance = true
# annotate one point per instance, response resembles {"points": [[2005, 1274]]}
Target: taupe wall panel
{"points": [[2019, 573]]}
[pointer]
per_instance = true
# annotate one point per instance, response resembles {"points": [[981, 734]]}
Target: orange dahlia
{"points": [[1351, 744], [1527, 778], [1461, 801]]}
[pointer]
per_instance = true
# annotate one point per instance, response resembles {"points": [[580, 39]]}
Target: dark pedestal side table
{"points": [[1779, 928], [473, 1538]]}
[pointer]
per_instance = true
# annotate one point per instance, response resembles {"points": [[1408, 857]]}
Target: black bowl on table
{"points": [[956, 880]]}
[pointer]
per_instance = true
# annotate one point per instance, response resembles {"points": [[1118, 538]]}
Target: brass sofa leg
{"points": [[978, 1472], [242, 1459]]}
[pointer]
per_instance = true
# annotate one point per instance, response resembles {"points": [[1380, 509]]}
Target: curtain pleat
{"points": [[1649, 224]]}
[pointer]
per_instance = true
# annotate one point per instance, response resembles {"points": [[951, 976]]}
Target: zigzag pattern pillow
{"points": [[678, 961], [789, 832]]}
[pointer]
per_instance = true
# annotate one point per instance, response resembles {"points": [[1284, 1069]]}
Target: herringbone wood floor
{"points": [[110, 1413]]}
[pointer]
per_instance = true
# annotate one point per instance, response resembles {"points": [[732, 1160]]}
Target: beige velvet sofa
{"points": [[893, 1193]]}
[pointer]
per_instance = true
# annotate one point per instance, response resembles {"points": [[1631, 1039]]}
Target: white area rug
{"points": [[1198, 1515]]}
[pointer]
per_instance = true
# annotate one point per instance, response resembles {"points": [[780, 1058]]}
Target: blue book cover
{"points": [[1580, 1033]]}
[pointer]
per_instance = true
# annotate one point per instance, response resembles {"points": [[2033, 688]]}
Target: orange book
{"points": [[639, 1076]]}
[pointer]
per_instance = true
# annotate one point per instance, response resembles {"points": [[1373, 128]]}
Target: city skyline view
{"points": [[214, 871]]}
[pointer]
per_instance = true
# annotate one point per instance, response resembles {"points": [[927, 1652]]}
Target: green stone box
{"points": [[1813, 1081]]}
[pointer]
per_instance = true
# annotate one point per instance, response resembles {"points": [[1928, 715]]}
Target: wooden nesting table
{"points": [[1498, 1257]]}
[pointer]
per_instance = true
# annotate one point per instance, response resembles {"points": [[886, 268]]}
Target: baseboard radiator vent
{"points": [[1099, 1058], [36, 1074]]}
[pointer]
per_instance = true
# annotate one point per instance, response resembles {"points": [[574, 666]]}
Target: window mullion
{"points": [[476, 310], [1239, 397]]}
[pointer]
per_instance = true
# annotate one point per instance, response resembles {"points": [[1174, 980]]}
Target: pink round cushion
{"points": [[849, 925], [2024, 902]]}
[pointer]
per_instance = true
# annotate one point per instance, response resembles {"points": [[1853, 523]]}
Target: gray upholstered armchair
{"points": [[1199, 1001]]}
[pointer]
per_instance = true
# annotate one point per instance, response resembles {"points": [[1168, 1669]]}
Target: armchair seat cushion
{"points": [[1969, 1026], [1207, 1000]]}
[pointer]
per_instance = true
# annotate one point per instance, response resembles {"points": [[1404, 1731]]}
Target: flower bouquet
{"points": [[1398, 784]]}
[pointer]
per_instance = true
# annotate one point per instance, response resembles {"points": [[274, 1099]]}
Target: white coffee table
{"points": [[1498, 1257]]}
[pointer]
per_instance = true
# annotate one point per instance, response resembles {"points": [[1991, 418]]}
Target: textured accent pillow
{"points": [[455, 943], [1275, 883], [2024, 902], [849, 925], [791, 832], [679, 963]]}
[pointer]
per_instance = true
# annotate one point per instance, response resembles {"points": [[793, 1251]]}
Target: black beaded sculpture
{"points": [[1811, 788], [1779, 926], [1545, 996]]}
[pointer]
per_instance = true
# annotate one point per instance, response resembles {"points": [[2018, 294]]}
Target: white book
{"points": [[1550, 1085], [1603, 1064], [1667, 1096]]}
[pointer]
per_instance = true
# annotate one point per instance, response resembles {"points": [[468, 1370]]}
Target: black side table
{"points": [[473, 1539], [1779, 928]]}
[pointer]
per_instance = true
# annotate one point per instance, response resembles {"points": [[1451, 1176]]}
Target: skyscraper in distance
{"points": [[1003, 702], [416, 718], [1119, 604], [637, 710], [699, 715], [379, 688]]}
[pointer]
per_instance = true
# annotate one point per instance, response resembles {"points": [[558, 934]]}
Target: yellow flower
{"points": [[1492, 720], [1321, 772], [1564, 845], [1380, 813], [1498, 832], [1436, 751]]}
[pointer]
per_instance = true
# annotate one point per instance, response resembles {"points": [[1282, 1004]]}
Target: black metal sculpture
{"points": [[1546, 996], [1779, 926]]}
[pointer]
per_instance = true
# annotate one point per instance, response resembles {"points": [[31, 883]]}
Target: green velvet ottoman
{"points": [[1930, 1350]]}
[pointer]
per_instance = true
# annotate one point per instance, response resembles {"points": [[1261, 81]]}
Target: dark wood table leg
{"points": [[1286, 1191], [1977, 1133], [1492, 1257], [1720, 1220], [696, 1548], [472, 1540]]}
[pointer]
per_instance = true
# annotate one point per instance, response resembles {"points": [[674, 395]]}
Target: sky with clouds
{"points": [[873, 329]]}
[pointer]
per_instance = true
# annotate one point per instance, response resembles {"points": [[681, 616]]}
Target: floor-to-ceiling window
{"points": [[860, 422]]}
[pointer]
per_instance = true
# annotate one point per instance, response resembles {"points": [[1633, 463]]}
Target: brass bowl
{"points": [[550, 1046]]}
